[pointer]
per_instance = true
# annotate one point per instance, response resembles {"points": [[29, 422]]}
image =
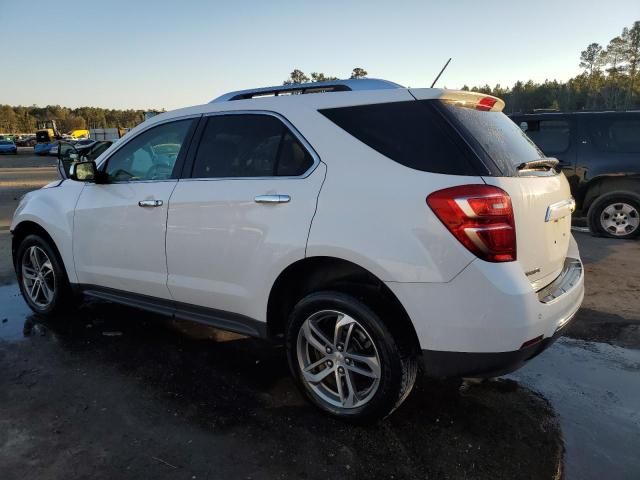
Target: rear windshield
{"points": [[501, 139], [435, 136], [412, 133]]}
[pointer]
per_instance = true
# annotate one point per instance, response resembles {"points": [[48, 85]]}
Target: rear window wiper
{"points": [[538, 164]]}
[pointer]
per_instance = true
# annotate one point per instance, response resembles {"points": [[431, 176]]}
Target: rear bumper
{"points": [[439, 364], [489, 319]]}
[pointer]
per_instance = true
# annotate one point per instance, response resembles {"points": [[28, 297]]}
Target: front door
{"points": [[120, 225]]}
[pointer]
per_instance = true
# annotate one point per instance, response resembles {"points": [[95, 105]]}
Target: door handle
{"points": [[273, 199], [150, 203]]}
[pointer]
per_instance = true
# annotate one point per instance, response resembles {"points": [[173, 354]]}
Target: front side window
{"points": [[151, 155], [551, 136], [615, 134], [237, 146]]}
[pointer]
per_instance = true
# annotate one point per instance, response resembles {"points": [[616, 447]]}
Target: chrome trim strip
{"points": [[568, 278], [272, 199], [554, 211], [290, 126]]}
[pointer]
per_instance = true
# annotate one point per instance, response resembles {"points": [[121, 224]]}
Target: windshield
{"points": [[502, 140]]}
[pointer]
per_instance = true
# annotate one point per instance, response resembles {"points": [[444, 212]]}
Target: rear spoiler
{"points": [[460, 98]]}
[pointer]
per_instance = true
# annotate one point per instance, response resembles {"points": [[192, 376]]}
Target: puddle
{"points": [[595, 390], [13, 313]]}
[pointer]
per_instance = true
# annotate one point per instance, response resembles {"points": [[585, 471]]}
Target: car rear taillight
{"points": [[480, 217]]}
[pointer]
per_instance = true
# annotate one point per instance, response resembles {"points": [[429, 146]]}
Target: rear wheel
{"points": [[345, 359], [41, 276], [615, 215]]}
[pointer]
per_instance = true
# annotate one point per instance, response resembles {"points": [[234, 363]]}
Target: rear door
{"points": [[243, 212], [541, 198], [610, 144]]}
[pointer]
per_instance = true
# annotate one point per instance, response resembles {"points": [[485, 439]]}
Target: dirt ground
{"points": [[112, 392]]}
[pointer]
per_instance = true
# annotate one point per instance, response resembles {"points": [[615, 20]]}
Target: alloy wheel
{"points": [[620, 219], [338, 359], [38, 277]]}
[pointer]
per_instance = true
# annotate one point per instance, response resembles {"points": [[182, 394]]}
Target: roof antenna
{"points": [[443, 69]]}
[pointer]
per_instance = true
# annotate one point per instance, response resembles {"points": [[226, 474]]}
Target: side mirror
{"points": [[83, 171]]}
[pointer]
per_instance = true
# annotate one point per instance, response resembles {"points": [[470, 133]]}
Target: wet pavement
{"points": [[595, 390], [113, 392], [109, 390]]}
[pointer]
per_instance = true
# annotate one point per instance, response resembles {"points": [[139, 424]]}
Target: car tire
{"points": [[362, 376], [615, 215], [53, 294]]}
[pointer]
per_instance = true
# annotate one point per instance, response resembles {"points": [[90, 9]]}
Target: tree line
{"points": [[26, 119], [298, 76], [609, 81]]}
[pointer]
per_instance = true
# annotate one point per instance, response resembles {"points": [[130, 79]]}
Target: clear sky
{"points": [[168, 54]]}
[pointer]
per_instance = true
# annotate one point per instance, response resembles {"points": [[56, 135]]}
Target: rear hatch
{"points": [[540, 197]]}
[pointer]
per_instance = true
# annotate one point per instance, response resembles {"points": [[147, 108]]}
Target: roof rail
{"points": [[313, 87]]}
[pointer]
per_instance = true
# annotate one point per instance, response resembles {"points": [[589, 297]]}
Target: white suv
{"points": [[369, 227]]}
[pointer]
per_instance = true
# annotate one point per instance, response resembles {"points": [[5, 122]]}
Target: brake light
{"points": [[486, 103], [480, 217]]}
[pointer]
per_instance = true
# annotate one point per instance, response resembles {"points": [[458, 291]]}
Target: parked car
{"points": [[85, 142], [26, 141], [367, 230], [599, 153], [54, 149], [7, 146], [42, 148]]}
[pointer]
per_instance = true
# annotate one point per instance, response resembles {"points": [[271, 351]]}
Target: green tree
{"points": [[631, 38], [295, 77], [321, 77], [358, 73], [591, 58], [8, 121]]}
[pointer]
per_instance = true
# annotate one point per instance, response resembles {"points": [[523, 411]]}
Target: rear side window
{"points": [[236, 146], [551, 136], [411, 133], [615, 135]]}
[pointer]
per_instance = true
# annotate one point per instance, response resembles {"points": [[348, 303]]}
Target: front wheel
{"points": [[616, 215], [41, 276], [345, 359]]}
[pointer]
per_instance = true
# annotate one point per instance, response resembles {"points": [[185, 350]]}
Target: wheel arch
{"points": [[29, 227], [330, 273], [610, 183]]}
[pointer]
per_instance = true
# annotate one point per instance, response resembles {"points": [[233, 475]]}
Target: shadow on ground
{"points": [[114, 391]]}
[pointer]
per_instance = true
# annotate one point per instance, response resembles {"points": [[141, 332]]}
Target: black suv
{"points": [[599, 153]]}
